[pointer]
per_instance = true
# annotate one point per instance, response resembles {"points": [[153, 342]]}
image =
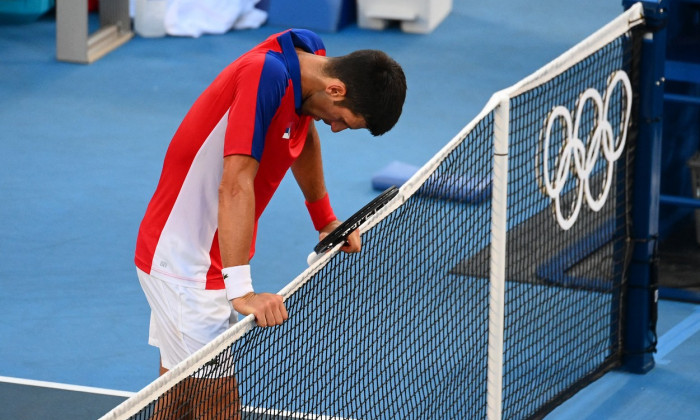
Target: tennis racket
{"points": [[341, 233]]}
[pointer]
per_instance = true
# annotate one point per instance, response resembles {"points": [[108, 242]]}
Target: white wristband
{"points": [[238, 281]]}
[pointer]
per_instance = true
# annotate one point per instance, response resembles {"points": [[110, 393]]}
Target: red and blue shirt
{"points": [[252, 108]]}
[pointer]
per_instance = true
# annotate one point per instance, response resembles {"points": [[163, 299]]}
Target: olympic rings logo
{"points": [[584, 155]]}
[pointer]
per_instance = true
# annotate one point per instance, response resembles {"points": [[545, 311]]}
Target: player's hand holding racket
{"points": [[348, 232], [352, 243]]}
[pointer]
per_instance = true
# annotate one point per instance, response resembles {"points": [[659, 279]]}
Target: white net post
{"points": [[499, 207]]}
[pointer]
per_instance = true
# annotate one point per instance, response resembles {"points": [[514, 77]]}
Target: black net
{"points": [[390, 332], [401, 329], [563, 303]]}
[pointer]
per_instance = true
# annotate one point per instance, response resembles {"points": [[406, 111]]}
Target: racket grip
{"points": [[312, 258]]}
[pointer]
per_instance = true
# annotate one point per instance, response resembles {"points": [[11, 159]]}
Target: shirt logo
{"points": [[287, 133]]}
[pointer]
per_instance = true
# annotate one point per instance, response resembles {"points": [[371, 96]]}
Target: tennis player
{"points": [[224, 163]]}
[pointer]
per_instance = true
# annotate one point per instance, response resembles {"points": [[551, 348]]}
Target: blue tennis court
{"points": [[82, 148]]}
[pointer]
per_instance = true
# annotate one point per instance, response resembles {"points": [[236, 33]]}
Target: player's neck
{"points": [[313, 78]]}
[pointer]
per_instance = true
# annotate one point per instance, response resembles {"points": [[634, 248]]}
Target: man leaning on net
{"points": [[231, 151]]}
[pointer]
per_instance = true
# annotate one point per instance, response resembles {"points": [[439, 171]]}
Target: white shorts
{"points": [[184, 319]]}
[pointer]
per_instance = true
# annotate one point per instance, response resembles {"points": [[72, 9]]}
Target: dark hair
{"points": [[375, 87]]}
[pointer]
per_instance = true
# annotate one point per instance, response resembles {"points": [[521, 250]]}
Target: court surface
{"points": [[81, 153]]}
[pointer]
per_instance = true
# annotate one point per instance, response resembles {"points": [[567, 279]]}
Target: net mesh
{"points": [[563, 315], [400, 330], [387, 333]]}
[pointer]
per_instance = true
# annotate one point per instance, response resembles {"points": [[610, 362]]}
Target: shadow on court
{"points": [[679, 264], [34, 402]]}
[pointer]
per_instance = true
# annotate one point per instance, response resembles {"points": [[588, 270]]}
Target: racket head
{"points": [[341, 233]]}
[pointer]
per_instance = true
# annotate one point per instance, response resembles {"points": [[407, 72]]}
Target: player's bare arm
{"points": [[308, 172], [308, 168], [236, 223], [236, 209]]}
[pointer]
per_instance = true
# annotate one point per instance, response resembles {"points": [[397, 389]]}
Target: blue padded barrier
{"points": [[474, 190]]}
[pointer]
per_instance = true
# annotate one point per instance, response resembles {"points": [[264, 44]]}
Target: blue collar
{"points": [[287, 43]]}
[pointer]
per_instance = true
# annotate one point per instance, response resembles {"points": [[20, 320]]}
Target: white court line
{"points": [[290, 414], [126, 394], [590, 397], [677, 335], [66, 387]]}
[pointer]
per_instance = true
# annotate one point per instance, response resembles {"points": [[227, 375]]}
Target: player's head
{"points": [[375, 87]]}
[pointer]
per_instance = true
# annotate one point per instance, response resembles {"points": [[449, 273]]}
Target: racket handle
{"points": [[312, 258]]}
